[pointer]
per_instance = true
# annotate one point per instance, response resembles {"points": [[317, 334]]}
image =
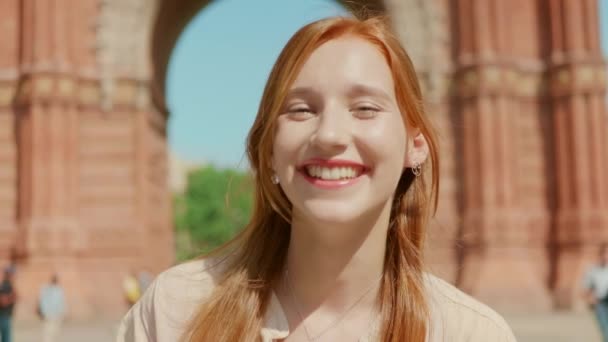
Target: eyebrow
{"points": [[354, 91], [362, 89], [302, 91]]}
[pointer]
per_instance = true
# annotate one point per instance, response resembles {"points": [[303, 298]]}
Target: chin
{"points": [[331, 212]]}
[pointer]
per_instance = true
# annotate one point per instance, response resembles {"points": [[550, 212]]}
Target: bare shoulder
{"points": [[454, 313]]}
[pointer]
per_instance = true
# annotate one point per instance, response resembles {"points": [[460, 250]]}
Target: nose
{"points": [[332, 133]]}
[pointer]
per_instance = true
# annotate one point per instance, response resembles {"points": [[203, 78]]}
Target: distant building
{"points": [[178, 172]]}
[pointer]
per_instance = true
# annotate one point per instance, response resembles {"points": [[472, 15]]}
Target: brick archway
{"points": [[519, 102], [173, 16]]}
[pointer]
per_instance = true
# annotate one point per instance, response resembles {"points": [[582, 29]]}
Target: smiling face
{"points": [[341, 142]]}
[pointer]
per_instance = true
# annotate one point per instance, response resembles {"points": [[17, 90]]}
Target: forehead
{"points": [[343, 61]]}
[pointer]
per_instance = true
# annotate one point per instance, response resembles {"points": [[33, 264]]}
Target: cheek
{"points": [[288, 141], [280, 152], [387, 139]]}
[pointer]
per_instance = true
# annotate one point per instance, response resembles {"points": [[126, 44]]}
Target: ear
{"points": [[418, 150]]}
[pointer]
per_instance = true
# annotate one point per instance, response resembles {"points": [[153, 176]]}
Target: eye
{"points": [[299, 113], [366, 112]]}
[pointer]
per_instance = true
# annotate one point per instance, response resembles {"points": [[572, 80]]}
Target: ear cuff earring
{"points": [[417, 169]]}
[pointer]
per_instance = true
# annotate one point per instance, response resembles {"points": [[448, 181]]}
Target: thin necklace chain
{"points": [[336, 321]]}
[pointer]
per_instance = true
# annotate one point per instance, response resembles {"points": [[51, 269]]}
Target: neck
{"points": [[331, 266]]}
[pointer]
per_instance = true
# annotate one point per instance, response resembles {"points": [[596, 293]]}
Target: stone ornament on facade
{"points": [[118, 17], [493, 76], [497, 79], [579, 78], [563, 77], [468, 83], [65, 87], [585, 75], [89, 94], [530, 84], [25, 91], [43, 85], [7, 94]]}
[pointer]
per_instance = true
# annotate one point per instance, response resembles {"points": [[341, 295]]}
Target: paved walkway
{"points": [[554, 327], [94, 331]]}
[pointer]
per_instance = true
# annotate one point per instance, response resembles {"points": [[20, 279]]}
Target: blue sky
{"points": [[218, 70], [219, 66]]}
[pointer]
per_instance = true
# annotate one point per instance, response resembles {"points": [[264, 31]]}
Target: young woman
{"points": [[339, 152]]}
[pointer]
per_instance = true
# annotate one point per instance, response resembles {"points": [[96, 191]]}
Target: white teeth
{"points": [[325, 173], [333, 173]]}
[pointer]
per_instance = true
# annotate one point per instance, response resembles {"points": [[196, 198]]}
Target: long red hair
{"points": [[235, 310]]}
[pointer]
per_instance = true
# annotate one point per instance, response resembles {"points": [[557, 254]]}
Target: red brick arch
{"points": [[518, 93], [173, 16]]}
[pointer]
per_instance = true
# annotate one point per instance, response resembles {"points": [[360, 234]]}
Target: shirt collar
{"points": [[276, 326], [275, 323]]}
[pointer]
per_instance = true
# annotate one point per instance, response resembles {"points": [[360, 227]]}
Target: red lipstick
{"points": [[330, 184]]}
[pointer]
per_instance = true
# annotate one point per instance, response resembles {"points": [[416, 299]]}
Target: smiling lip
{"points": [[331, 184]]}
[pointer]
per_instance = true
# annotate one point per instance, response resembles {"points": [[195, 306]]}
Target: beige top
{"points": [[169, 302]]}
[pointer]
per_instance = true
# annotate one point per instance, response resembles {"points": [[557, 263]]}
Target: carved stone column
{"points": [[503, 258], [578, 103], [47, 134], [46, 131], [9, 76]]}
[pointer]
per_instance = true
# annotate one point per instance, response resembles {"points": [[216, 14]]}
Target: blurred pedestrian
{"points": [[595, 284], [52, 309], [131, 288], [8, 298]]}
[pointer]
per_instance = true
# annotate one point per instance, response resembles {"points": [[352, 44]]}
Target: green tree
{"points": [[216, 205]]}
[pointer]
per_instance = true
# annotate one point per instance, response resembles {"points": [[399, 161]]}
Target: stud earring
{"points": [[417, 169], [274, 179]]}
